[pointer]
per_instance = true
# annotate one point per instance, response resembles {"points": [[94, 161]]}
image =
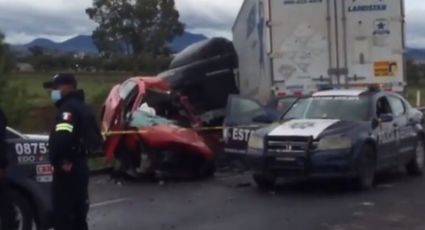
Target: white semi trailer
{"points": [[295, 47]]}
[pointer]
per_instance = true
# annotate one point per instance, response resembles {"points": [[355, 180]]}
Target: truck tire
{"points": [[367, 167], [416, 166], [264, 182], [24, 212]]}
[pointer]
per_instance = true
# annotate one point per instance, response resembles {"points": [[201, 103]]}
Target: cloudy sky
{"points": [[24, 20]]}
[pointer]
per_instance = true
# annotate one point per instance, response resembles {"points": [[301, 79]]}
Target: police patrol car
{"points": [[339, 133], [30, 176]]}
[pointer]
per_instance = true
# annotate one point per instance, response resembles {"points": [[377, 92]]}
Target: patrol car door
{"points": [[385, 132], [243, 115], [403, 128], [28, 157]]}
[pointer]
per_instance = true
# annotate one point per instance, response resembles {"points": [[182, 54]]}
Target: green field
{"points": [[94, 84], [29, 108], [32, 111], [412, 92], [38, 111]]}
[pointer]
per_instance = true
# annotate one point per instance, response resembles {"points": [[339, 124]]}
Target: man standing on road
{"points": [[70, 140], [7, 210]]}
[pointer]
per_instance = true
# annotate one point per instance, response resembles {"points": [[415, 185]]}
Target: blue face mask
{"points": [[55, 95]]}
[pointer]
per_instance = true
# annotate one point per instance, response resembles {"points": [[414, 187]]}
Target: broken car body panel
{"points": [[192, 94], [171, 130], [122, 100]]}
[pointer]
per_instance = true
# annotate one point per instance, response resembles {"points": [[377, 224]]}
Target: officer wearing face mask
{"points": [[68, 146]]}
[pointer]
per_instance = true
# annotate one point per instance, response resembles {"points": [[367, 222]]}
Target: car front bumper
{"points": [[317, 164]]}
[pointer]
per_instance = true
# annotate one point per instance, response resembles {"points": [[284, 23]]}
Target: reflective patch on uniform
{"points": [[64, 127], [44, 179]]}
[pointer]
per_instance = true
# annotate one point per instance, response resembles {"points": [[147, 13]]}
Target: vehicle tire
{"points": [[367, 167], [207, 170], [264, 182], [24, 212], [416, 166]]}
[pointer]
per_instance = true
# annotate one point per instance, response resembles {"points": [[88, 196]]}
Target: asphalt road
{"points": [[229, 202]]}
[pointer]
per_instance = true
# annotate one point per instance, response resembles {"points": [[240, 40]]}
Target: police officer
{"points": [[68, 153], [7, 210]]}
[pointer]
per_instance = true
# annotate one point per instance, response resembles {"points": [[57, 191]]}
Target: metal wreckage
{"points": [[169, 125]]}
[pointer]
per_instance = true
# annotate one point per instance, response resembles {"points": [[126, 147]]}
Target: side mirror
{"points": [[384, 118], [263, 119]]}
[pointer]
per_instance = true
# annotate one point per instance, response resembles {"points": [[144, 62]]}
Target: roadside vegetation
{"points": [[28, 105]]}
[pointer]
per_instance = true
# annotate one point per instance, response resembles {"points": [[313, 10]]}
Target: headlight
{"points": [[256, 142], [334, 142]]}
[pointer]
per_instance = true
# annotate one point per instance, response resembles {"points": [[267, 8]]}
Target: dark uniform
{"points": [[7, 211], [66, 144]]}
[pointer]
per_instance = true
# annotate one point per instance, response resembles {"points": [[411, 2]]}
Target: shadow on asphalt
{"points": [[326, 188], [330, 187]]}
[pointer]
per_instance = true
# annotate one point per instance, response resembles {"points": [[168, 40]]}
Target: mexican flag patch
{"points": [[66, 116]]}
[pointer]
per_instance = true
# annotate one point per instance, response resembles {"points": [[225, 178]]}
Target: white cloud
{"points": [[212, 17], [24, 20], [415, 18]]}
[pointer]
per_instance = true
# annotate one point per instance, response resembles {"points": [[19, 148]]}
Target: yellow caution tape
{"points": [[115, 133], [129, 132]]}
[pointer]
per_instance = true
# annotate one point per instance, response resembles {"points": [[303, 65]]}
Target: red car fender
{"points": [[132, 142], [111, 121], [170, 136], [111, 117], [111, 145]]}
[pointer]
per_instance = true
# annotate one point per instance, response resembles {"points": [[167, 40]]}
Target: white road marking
{"points": [[109, 202]]}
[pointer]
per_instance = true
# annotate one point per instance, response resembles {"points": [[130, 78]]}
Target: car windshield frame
{"points": [[309, 100]]}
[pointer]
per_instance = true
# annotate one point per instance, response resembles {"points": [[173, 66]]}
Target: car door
{"points": [[243, 115], [385, 132], [116, 110], [29, 157], [404, 129], [29, 169]]}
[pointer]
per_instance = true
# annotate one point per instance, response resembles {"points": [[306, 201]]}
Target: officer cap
{"points": [[61, 79]]}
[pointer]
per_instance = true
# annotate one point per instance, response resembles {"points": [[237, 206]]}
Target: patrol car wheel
{"points": [[264, 182], [367, 166], [416, 166], [24, 213]]}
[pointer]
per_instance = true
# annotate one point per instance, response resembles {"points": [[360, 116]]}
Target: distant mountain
{"points": [[46, 43], [81, 43], [84, 43], [416, 54]]}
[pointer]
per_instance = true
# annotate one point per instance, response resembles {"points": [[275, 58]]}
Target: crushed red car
{"points": [[158, 124]]}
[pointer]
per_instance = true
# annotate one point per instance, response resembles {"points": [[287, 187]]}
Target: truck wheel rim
{"points": [[420, 155]]}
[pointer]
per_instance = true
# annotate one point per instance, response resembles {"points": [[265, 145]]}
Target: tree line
{"points": [[42, 60], [131, 35]]}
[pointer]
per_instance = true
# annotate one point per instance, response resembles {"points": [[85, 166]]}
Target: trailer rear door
{"points": [[342, 43]]}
